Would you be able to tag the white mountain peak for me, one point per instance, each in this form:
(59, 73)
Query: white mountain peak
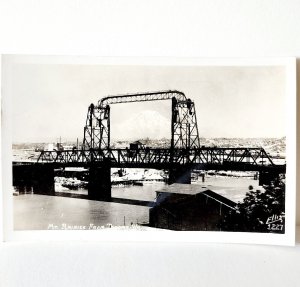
(143, 124)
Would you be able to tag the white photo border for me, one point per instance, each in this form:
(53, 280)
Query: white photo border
(111, 235)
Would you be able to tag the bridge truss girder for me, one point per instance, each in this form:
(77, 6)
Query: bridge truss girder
(206, 158)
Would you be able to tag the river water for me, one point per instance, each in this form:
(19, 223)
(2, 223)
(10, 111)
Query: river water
(40, 212)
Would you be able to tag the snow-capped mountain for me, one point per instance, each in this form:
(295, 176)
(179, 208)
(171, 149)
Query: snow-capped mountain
(144, 124)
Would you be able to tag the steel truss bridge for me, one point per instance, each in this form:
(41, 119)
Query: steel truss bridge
(185, 149)
(248, 159)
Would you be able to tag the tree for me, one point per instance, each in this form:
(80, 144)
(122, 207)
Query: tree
(259, 211)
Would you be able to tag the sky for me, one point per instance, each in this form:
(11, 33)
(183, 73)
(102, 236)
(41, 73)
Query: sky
(50, 99)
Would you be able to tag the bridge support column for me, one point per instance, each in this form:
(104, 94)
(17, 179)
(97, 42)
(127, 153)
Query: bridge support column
(43, 180)
(99, 186)
(267, 177)
(180, 174)
(38, 178)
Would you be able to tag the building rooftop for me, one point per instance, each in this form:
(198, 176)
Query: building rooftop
(185, 190)
(234, 191)
(138, 142)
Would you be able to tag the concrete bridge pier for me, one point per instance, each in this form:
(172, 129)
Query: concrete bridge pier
(38, 178)
(180, 174)
(43, 180)
(267, 177)
(99, 186)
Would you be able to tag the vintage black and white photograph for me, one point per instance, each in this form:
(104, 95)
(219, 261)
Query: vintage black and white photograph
(172, 146)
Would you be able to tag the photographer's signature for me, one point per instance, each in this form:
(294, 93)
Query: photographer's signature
(275, 222)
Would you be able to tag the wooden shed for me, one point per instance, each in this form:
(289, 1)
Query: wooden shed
(186, 207)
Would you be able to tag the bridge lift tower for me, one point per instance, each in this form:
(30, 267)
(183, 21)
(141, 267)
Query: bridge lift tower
(184, 134)
(184, 129)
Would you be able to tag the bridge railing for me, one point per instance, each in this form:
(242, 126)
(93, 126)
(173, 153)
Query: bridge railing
(220, 156)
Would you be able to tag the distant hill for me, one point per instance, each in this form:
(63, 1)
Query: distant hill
(271, 145)
(159, 140)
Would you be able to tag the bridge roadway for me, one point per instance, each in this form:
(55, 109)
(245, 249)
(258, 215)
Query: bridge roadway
(205, 158)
